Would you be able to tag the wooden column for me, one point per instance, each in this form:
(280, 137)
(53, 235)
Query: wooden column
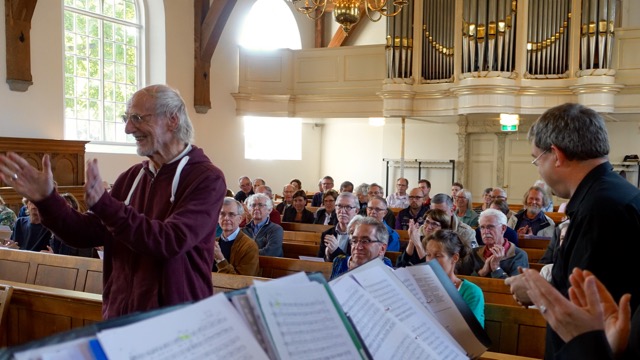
(18, 14)
(208, 25)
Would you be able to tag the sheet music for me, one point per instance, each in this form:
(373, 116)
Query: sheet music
(380, 281)
(303, 322)
(383, 334)
(208, 329)
(442, 305)
(77, 349)
(311, 258)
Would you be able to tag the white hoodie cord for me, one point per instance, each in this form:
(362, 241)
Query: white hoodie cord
(176, 177)
(133, 187)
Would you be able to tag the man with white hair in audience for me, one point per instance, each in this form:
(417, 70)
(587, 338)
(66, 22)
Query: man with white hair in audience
(246, 189)
(287, 195)
(267, 235)
(368, 240)
(335, 241)
(274, 215)
(234, 251)
(497, 258)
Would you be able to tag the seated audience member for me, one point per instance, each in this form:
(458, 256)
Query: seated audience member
(326, 215)
(377, 209)
(509, 234)
(274, 215)
(29, 233)
(56, 245)
(326, 183)
(266, 234)
(298, 212)
(497, 258)
(445, 246)
(258, 182)
(7, 216)
(464, 212)
(297, 184)
(363, 198)
(455, 187)
(415, 253)
(246, 189)
(425, 185)
(415, 211)
(499, 193)
(335, 241)
(531, 220)
(23, 210)
(368, 240)
(486, 201)
(548, 193)
(373, 191)
(445, 203)
(399, 199)
(229, 193)
(591, 324)
(234, 251)
(346, 186)
(287, 201)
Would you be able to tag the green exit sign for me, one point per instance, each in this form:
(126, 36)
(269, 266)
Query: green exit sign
(509, 127)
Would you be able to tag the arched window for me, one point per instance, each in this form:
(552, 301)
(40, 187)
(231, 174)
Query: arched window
(102, 66)
(270, 25)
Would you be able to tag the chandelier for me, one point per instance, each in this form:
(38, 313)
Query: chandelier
(348, 12)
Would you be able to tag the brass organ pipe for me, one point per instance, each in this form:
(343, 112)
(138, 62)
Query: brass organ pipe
(465, 36)
(482, 33)
(610, 31)
(473, 16)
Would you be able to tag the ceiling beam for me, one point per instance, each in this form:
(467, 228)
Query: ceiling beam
(209, 21)
(18, 14)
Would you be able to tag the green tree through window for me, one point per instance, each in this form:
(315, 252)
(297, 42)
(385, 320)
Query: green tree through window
(102, 67)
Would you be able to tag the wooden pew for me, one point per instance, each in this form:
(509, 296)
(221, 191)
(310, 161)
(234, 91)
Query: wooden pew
(293, 250)
(302, 237)
(316, 228)
(533, 242)
(38, 311)
(229, 282)
(556, 216)
(495, 290)
(515, 330)
(59, 271)
(275, 267)
(534, 254)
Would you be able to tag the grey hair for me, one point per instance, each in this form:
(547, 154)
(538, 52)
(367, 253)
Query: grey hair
(499, 215)
(351, 197)
(242, 178)
(374, 184)
(575, 129)
(169, 102)
(382, 234)
(545, 196)
(251, 199)
(467, 194)
(442, 198)
(231, 201)
(362, 189)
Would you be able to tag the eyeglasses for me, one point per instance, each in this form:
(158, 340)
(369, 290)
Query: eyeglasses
(136, 118)
(258, 205)
(354, 241)
(497, 197)
(374, 209)
(415, 197)
(489, 227)
(226, 214)
(345, 207)
(432, 223)
(535, 161)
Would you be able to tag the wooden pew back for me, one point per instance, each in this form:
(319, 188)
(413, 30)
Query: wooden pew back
(495, 291)
(59, 271)
(302, 237)
(275, 267)
(39, 311)
(316, 228)
(515, 330)
(230, 282)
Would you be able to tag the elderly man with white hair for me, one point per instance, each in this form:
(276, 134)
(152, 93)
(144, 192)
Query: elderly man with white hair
(266, 234)
(497, 258)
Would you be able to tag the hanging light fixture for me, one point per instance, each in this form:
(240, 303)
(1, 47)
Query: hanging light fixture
(347, 12)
